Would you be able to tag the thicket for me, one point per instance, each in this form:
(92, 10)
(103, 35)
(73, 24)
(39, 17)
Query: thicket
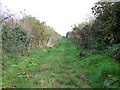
(20, 35)
(101, 33)
(107, 34)
(14, 41)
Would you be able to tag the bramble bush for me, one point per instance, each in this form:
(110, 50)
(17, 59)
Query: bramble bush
(14, 40)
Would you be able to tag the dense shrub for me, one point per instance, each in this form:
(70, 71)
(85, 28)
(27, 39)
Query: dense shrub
(106, 27)
(14, 40)
(101, 34)
(81, 37)
(114, 51)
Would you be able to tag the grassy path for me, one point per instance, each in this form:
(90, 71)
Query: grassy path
(60, 67)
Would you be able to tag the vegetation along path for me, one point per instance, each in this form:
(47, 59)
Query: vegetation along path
(62, 66)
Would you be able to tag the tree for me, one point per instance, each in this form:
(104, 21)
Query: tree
(107, 14)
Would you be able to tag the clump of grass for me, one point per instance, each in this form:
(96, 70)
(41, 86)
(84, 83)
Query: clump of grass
(98, 68)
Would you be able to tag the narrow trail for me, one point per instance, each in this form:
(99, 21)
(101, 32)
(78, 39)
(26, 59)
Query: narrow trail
(59, 67)
(54, 68)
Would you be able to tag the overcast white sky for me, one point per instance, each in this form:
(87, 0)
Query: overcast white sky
(60, 14)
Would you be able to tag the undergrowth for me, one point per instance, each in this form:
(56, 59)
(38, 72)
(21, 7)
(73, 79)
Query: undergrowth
(61, 67)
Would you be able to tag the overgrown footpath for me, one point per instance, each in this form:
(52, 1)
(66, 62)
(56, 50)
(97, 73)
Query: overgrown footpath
(63, 66)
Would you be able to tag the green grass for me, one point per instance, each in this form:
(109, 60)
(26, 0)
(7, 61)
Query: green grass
(61, 67)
